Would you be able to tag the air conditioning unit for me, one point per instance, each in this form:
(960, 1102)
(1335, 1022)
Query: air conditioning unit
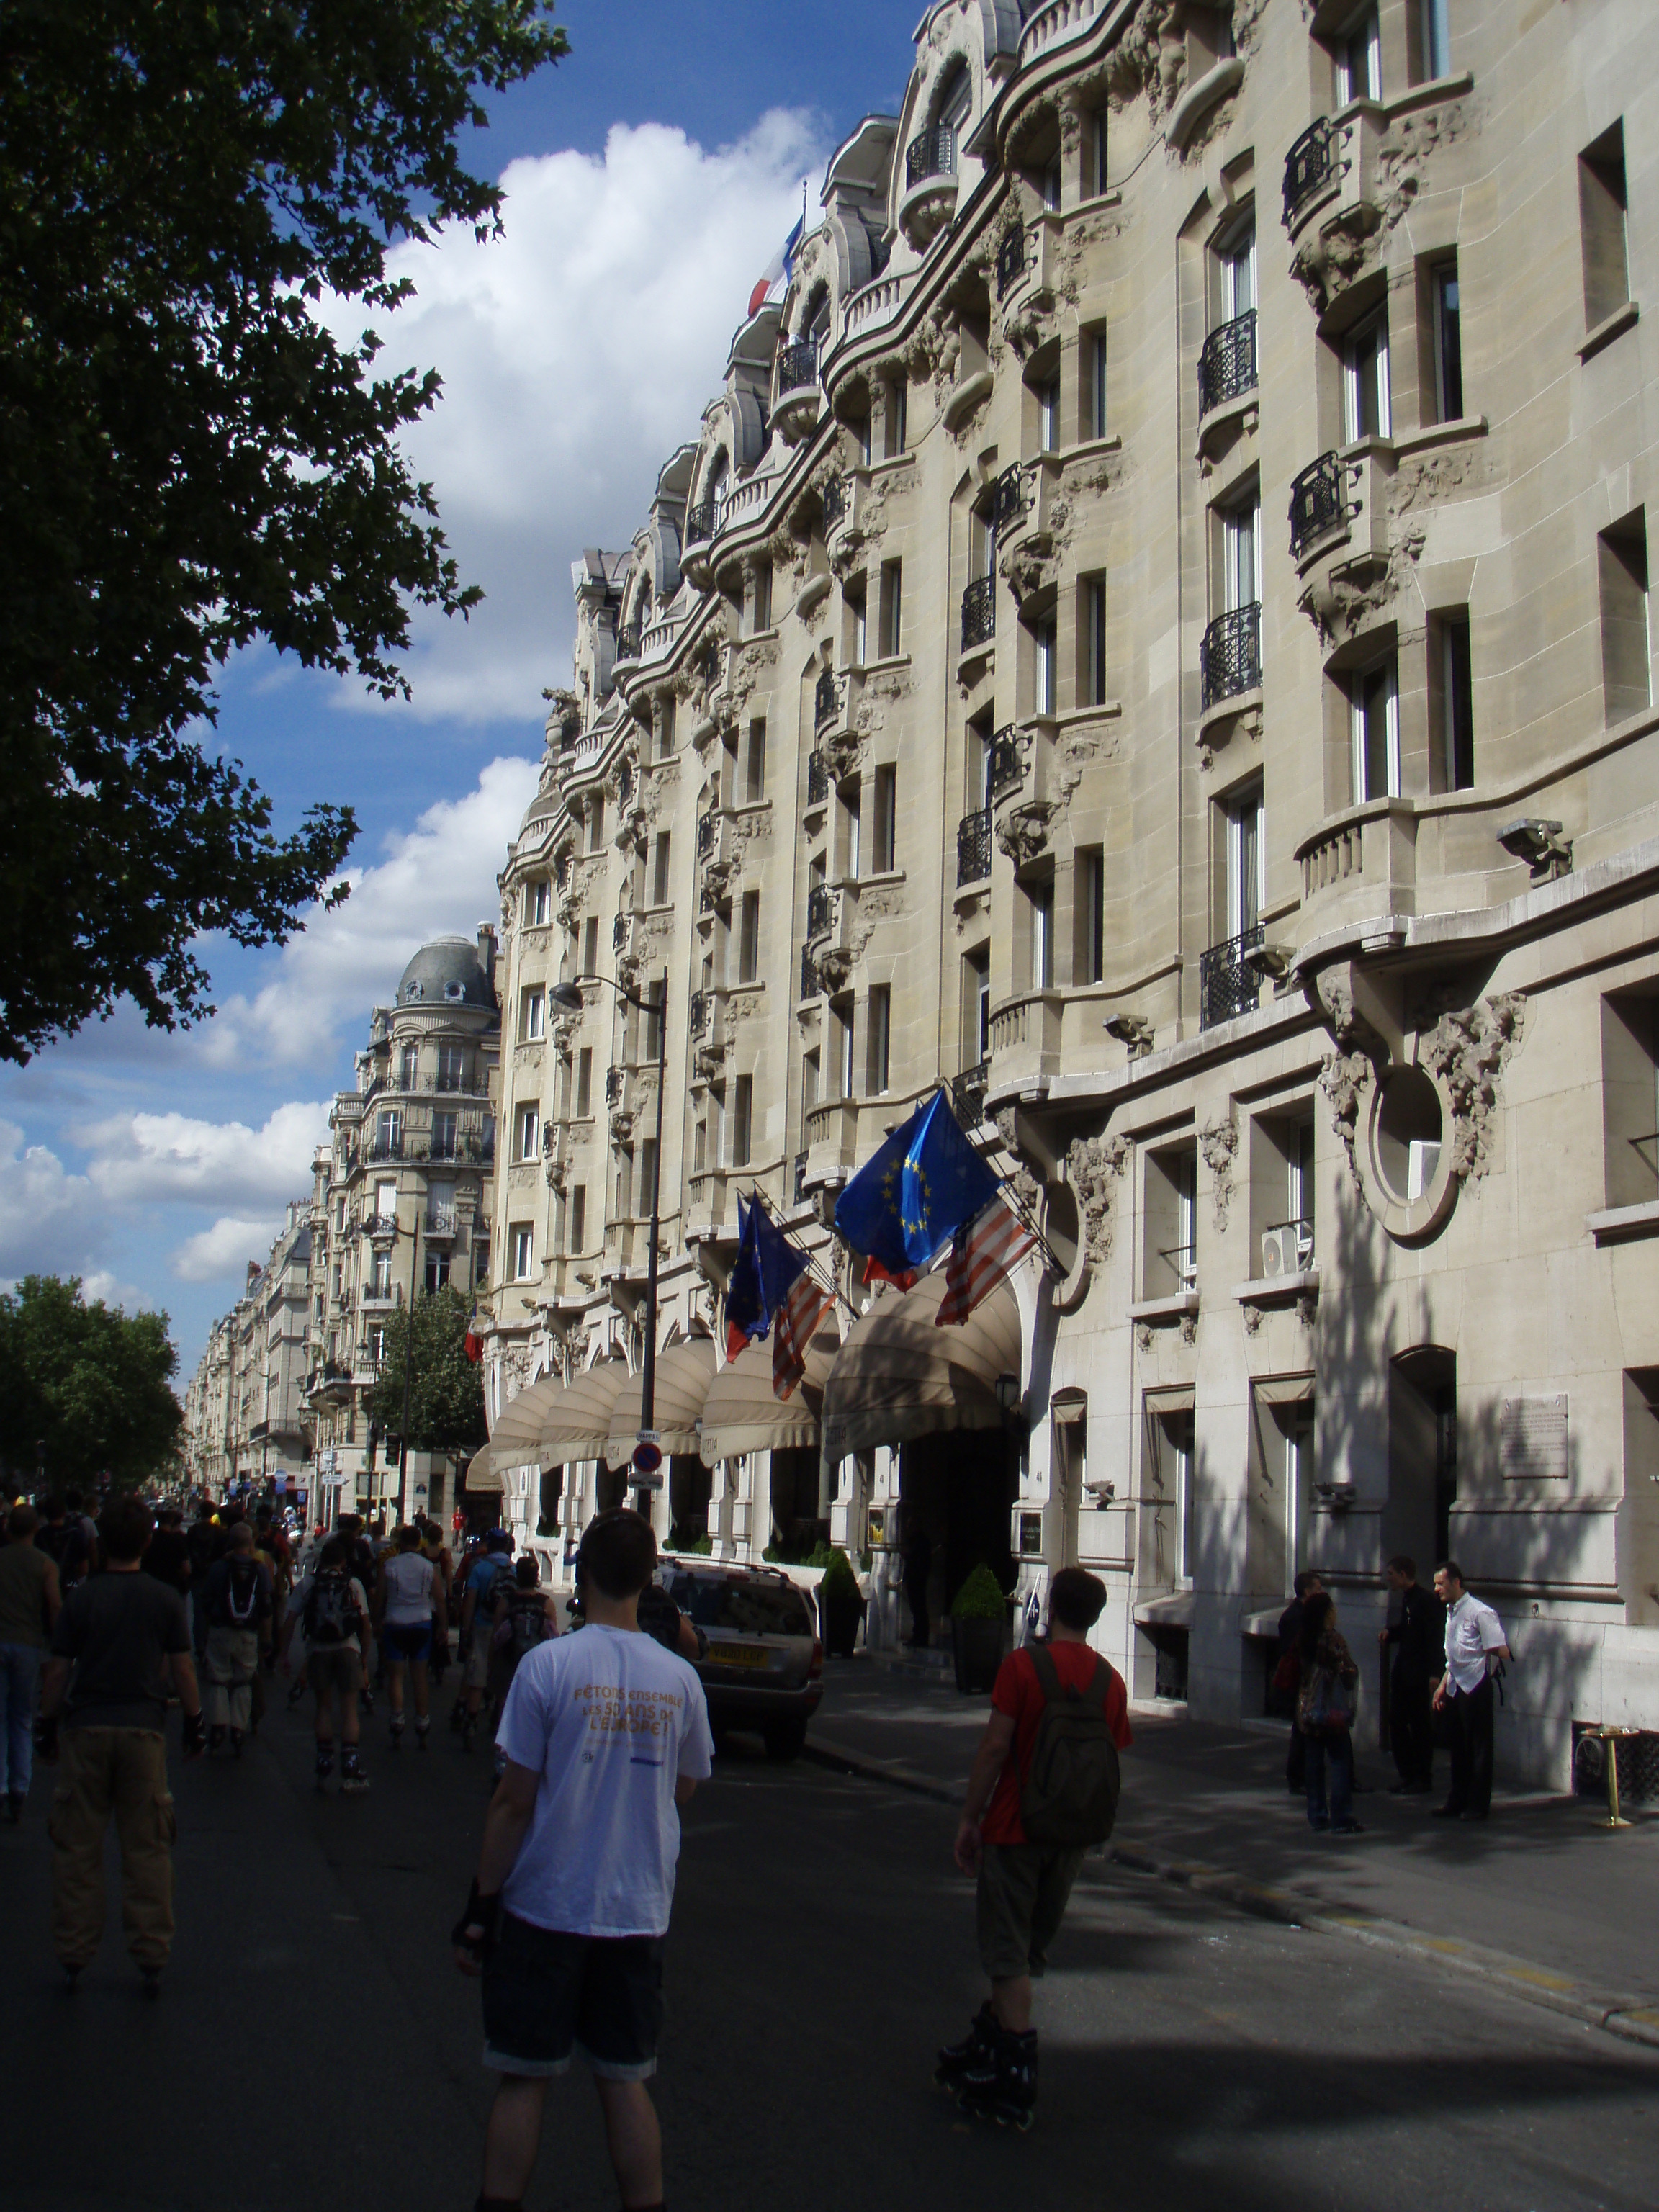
(1278, 1252)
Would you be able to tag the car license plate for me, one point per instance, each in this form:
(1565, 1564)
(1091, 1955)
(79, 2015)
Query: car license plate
(736, 1655)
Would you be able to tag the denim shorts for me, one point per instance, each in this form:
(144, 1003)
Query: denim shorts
(547, 1995)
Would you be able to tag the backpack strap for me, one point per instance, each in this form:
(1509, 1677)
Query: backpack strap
(1048, 1674)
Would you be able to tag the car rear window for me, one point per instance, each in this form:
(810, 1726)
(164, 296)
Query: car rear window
(756, 1608)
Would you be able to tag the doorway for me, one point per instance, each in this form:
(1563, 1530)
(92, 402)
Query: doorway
(1422, 1454)
(962, 1486)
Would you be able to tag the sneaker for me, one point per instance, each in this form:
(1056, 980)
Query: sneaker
(353, 1784)
(324, 1764)
(1348, 1828)
(150, 1981)
(976, 2048)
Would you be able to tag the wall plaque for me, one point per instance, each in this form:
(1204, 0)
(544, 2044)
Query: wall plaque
(1533, 1439)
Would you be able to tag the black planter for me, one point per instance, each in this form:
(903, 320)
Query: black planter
(842, 1615)
(976, 1646)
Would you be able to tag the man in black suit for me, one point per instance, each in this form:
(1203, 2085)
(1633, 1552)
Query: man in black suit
(1418, 1633)
(1306, 1585)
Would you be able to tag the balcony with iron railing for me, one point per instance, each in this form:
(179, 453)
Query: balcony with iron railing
(1310, 165)
(379, 1298)
(973, 847)
(698, 1012)
(613, 1086)
(440, 1227)
(1318, 503)
(456, 1081)
(811, 987)
(1227, 365)
(817, 780)
(1006, 770)
(800, 394)
(1010, 498)
(930, 185)
(799, 1181)
(798, 365)
(1229, 656)
(826, 700)
(1011, 260)
(620, 926)
(1229, 980)
(834, 503)
(709, 831)
(978, 612)
(967, 1093)
(379, 1149)
(820, 910)
(701, 520)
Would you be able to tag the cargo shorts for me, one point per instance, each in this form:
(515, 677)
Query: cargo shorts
(1023, 1893)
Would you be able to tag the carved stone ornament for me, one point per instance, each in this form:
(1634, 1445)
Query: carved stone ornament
(1189, 1328)
(1219, 1142)
(841, 752)
(1093, 1167)
(1144, 1335)
(1342, 601)
(1023, 831)
(621, 1126)
(1467, 1050)
(1252, 1318)
(1344, 1077)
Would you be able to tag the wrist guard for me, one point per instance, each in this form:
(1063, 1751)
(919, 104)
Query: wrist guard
(195, 1726)
(475, 1931)
(46, 1735)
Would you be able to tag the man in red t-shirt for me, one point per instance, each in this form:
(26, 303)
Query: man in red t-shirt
(1023, 1886)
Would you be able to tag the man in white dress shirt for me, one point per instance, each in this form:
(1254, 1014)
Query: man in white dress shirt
(1474, 1646)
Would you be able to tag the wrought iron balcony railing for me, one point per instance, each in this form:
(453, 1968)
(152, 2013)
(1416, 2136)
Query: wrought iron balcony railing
(811, 988)
(1317, 502)
(452, 1079)
(1226, 366)
(701, 520)
(930, 153)
(1011, 497)
(613, 1086)
(973, 847)
(628, 642)
(1229, 981)
(1229, 658)
(979, 611)
(697, 1018)
(384, 1148)
(441, 1224)
(709, 829)
(820, 910)
(798, 365)
(625, 780)
(835, 503)
(707, 902)
(967, 1094)
(1311, 162)
(1007, 769)
(817, 780)
(800, 1178)
(826, 698)
(619, 931)
(1010, 259)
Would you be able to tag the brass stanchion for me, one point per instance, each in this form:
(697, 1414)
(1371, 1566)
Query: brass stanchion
(1609, 1739)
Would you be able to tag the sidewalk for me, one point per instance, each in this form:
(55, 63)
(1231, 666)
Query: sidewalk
(1538, 1896)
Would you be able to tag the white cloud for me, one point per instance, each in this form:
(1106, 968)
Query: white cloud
(45, 1210)
(437, 879)
(140, 1159)
(102, 1284)
(225, 1249)
(577, 352)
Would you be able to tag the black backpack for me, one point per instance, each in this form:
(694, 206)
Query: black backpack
(1071, 1792)
(527, 1621)
(332, 1615)
(242, 1599)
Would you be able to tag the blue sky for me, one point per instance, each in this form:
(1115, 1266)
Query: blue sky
(649, 178)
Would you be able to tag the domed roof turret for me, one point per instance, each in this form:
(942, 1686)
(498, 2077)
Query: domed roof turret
(445, 972)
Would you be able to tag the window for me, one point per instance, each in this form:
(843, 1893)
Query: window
(1436, 32)
(452, 1068)
(1235, 271)
(1244, 862)
(851, 826)
(892, 627)
(841, 1014)
(1451, 701)
(437, 1269)
(1093, 353)
(596, 821)
(1171, 1203)
(533, 1016)
(1302, 1190)
(374, 1338)
(386, 1201)
(529, 1129)
(1630, 1098)
(743, 1117)
(1179, 1436)
(578, 1217)
(885, 826)
(379, 1274)
(660, 868)
(749, 938)
(1622, 576)
(878, 1043)
(665, 707)
(808, 1082)
(1365, 397)
(481, 1259)
(390, 1134)
(537, 902)
(1047, 400)
(1374, 712)
(1093, 626)
(1098, 169)
(755, 762)
(700, 1148)
(1051, 185)
(858, 608)
(444, 1128)
(1044, 686)
(978, 763)
(1602, 207)
(898, 413)
(625, 1186)
(1089, 896)
(1359, 59)
(1040, 898)
(524, 1251)
(408, 1064)
(584, 1083)
(976, 1009)
(1448, 341)
(1241, 557)
(591, 946)
(648, 1174)
(762, 600)
(653, 1040)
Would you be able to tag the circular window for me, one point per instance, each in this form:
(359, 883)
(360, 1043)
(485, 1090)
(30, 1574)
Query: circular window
(1409, 1130)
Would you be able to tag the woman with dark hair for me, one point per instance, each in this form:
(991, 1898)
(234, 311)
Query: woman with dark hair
(1324, 1712)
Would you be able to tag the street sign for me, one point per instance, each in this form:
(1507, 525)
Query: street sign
(647, 1459)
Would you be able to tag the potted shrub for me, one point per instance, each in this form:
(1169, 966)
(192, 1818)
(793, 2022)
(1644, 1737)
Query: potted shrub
(841, 1604)
(979, 1623)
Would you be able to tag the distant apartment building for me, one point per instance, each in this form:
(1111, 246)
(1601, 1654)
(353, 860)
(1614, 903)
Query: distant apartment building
(1153, 633)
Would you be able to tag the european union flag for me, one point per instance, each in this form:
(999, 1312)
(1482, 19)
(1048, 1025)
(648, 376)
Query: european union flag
(762, 1276)
(906, 1204)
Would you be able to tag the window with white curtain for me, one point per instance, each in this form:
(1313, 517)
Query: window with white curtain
(1245, 863)
(1374, 700)
(1360, 58)
(1365, 401)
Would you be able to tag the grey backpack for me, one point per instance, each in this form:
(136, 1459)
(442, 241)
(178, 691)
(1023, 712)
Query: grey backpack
(1070, 1797)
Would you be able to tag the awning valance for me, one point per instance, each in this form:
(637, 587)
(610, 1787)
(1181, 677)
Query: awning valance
(683, 1374)
(900, 1375)
(1283, 1389)
(481, 1473)
(520, 1422)
(578, 1422)
(742, 1413)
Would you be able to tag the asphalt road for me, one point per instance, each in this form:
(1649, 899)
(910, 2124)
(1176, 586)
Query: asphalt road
(315, 2048)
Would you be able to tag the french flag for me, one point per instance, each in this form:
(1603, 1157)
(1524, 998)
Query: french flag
(775, 282)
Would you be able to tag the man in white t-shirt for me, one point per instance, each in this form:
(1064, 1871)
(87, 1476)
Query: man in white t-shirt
(1474, 1646)
(605, 1736)
(409, 1608)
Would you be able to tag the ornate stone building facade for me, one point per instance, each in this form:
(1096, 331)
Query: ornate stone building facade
(1153, 632)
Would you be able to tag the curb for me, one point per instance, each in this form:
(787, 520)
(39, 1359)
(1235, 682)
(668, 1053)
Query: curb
(1631, 2018)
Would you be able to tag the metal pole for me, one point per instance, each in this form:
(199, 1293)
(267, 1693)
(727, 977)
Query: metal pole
(409, 1364)
(648, 1369)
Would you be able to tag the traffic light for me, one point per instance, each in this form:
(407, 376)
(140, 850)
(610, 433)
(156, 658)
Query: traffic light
(373, 1442)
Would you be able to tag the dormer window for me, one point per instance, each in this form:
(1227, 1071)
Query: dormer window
(956, 102)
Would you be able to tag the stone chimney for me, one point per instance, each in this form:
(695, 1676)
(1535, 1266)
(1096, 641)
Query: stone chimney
(487, 952)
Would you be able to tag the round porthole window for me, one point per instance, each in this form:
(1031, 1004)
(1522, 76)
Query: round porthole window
(1409, 1135)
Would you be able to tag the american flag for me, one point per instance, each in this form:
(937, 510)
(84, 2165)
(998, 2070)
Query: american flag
(981, 1253)
(792, 1332)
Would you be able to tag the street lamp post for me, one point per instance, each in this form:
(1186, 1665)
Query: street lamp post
(390, 1227)
(570, 998)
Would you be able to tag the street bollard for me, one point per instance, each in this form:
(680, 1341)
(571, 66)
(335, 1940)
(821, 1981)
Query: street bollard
(1609, 1738)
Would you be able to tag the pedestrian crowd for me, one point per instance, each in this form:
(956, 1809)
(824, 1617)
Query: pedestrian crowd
(600, 1739)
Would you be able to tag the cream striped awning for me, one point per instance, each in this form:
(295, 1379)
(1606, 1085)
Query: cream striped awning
(900, 1375)
(743, 1414)
(683, 1374)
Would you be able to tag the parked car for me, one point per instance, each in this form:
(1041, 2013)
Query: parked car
(763, 1667)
